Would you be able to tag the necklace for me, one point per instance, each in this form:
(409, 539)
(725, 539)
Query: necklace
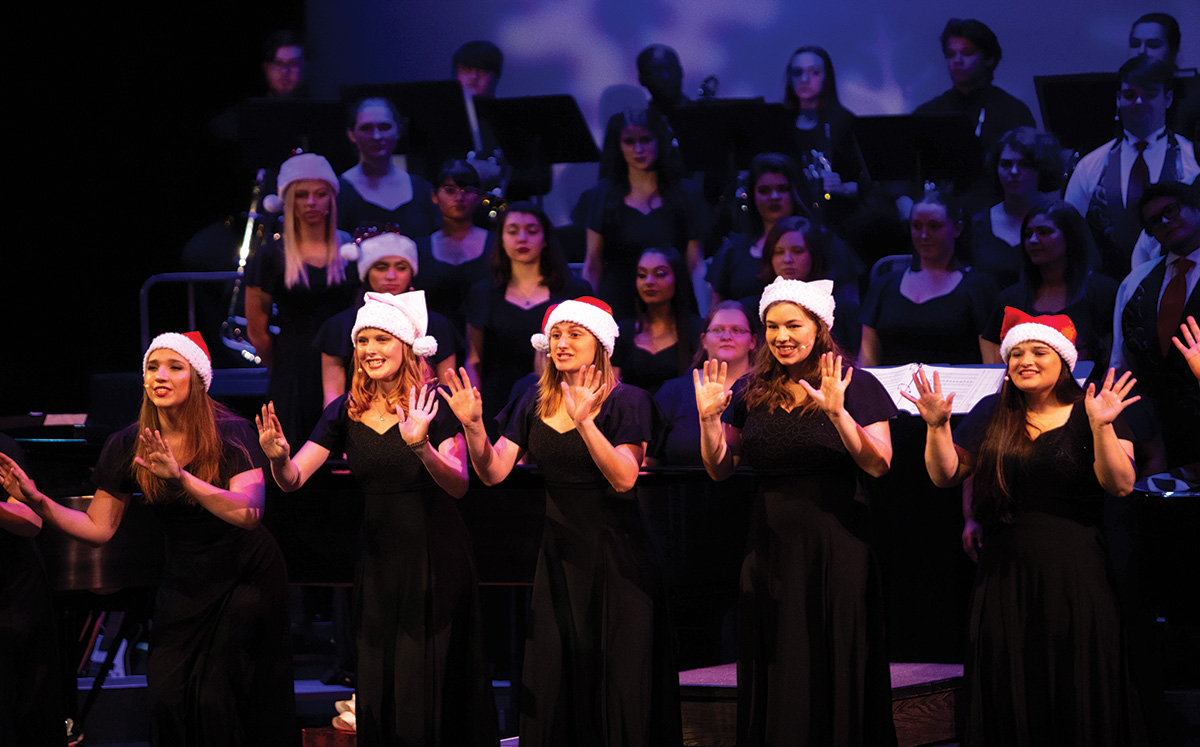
(523, 299)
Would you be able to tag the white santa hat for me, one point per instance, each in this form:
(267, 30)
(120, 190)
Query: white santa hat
(188, 344)
(403, 316)
(368, 250)
(585, 311)
(300, 166)
(815, 297)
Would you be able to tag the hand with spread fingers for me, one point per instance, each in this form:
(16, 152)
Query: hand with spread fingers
(712, 392)
(832, 395)
(422, 407)
(463, 397)
(159, 459)
(1105, 405)
(934, 408)
(1190, 344)
(579, 398)
(270, 434)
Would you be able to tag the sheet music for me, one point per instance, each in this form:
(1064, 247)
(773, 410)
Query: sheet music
(969, 384)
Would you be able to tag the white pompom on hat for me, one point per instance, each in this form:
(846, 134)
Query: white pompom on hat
(300, 166)
(585, 311)
(370, 250)
(404, 316)
(1057, 331)
(814, 296)
(188, 344)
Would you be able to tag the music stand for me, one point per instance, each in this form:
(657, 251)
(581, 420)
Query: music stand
(930, 147)
(724, 135)
(269, 129)
(438, 128)
(536, 131)
(1079, 108)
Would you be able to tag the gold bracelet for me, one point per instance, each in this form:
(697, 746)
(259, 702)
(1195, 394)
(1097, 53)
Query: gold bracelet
(415, 444)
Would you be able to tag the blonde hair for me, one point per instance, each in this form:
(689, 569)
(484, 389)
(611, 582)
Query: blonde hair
(414, 371)
(294, 271)
(550, 396)
(198, 420)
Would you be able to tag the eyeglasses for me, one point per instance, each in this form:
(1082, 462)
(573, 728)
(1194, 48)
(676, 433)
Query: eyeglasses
(731, 331)
(1169, 213)
(279, 64)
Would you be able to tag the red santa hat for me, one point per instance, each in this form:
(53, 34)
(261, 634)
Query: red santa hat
(188, 344)
(1057, 331)
(585, 311)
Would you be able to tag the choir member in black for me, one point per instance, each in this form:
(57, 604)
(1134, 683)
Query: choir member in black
(935, 310)
(31, 705)
(730, 336)
(972, 53)
(797, 249)
(455, 256)
(1027, 166)
(640, 204)
(1057, 277)
(812, 668)
(1152, 303)
(422, 678)
(824, 128)
(387, 263)
(599, 663)
(1047, 659)
(477, 66)
(1108, 182)
(283, 64)
(528, 274)
(658, 344)
(736, 270)
(376, 190)
(661, 73)
(304, 277)
(220, 667)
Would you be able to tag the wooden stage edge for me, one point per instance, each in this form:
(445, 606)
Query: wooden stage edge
(923, 704)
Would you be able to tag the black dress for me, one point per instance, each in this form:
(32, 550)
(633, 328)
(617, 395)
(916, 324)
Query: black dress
(31, 696)
(417, 217)
(647, 370)
(678, 445)
(992, 254)
(1047, 659)
(295, 384)
(422, 677)
(812, 665)
(944, 329)
(599, 657)
(507, 354)
(446, 286)
(630, 231)
(220, 666)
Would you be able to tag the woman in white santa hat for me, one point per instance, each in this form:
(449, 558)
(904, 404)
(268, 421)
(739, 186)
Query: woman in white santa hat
(598, 656)
(422, 677)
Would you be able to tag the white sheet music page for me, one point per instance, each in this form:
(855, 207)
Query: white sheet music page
(968, 384)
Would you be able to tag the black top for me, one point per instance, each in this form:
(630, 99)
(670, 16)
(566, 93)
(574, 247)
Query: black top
(1002, 110)
(992, 254)
(333, 338)
(647, 370)
(417, 217)
(446, 285)
(1092, 314)
(734, 273)
(679, 444)
(945, 329)
(302, 309)
(1059, 476)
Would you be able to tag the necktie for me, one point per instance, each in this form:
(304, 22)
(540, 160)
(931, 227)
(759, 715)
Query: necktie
(1139, 179)
(1170, 309)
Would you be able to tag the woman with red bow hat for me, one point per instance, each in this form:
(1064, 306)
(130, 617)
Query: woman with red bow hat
(1046, 660)
(422, 678)
(598, 656)
(220, 667)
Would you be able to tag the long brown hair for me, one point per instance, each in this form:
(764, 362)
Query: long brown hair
(414, 371)
(1006, 443)
(769, 380)
(198, 421)
(550, 396)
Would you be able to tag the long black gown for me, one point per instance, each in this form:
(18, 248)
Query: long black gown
(220, 666)
(812, 665)
(599, 656)
(422, 675)
(1047, 660)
